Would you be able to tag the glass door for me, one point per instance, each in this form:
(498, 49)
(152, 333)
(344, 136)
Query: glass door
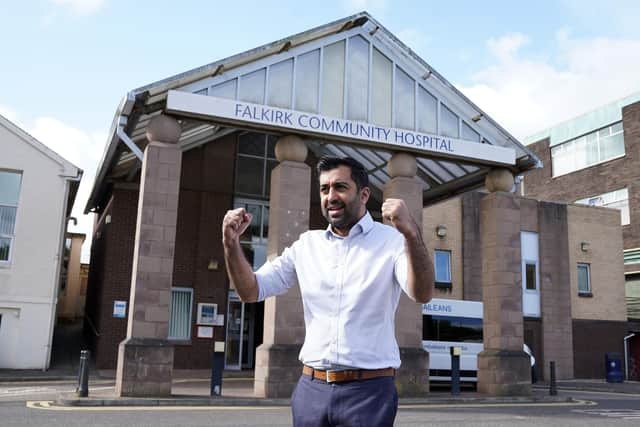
(234, 332)
(240, 326)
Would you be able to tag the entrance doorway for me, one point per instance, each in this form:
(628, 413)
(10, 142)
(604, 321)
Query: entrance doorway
(240, 333)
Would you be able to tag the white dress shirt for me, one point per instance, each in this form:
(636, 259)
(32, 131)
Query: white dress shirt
(350, 291)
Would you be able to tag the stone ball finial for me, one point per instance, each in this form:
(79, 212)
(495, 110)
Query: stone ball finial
(499, 179)
(163, 128)
(402, 164)
(291, 147)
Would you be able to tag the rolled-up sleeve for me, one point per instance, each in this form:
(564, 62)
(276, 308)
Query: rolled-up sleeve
(277, 276)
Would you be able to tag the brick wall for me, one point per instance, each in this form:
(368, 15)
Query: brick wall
(110, 277)
(599, 228)
(449, 214)
(592, 339)
(555, 288)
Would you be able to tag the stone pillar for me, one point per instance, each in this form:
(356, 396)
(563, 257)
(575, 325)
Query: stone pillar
(412, 378)
(277, 366)
(145, 357)
(503, 367)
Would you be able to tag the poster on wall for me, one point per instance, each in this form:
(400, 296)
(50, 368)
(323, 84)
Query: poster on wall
(205, 332)
(119, 309)
(207, 314)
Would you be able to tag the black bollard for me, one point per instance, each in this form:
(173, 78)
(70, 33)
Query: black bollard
(217, 366)
(553, 390)
(83, 374)
(455, 370)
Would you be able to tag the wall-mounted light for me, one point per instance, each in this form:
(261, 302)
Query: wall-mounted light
(585, 246)
(441, 231)
(213, 265)
(477, 117)
(107, 219)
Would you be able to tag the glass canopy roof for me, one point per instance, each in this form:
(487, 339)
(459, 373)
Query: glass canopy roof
(350, 69)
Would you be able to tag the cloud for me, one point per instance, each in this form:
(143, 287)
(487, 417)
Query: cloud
(84, 149)
(529, 94)
(80, 7)
(9, 114)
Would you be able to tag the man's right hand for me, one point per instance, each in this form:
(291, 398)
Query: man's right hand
(235, 223)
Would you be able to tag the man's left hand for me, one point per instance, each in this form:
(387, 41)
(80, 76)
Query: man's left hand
(396, 212)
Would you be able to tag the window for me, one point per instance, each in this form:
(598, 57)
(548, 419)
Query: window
(618, 199)
(530, 277)
(254, 239)
(584, 279)
(596, 147)
(455, 329)
(180, 313)
(443, 268)
(255, 160)
(9, 194)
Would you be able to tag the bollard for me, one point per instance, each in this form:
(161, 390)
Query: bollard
(552, 379)
(455, 370)
(83, 374)
(216, 368)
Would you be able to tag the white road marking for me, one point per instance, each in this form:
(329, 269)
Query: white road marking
(50, 405)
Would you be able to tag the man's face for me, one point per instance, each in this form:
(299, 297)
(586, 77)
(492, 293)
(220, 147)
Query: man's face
(342, 203)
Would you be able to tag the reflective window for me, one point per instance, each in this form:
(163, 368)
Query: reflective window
(225, 90)
(405, 100)
(448, 328)
(595, 147)
(442, 266)
(427, 111)
(254, 239)
(469, 133)
(307, 78)
(358, 79)
(280, 84)
(381, 81)
(252, 86)
(180, 313)
(448, 122)
(584, 279)
(618, 199)
(254, 162)
(333, 80)
(9, 195)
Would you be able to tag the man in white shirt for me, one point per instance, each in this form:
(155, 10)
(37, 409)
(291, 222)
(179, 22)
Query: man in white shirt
(350, 277)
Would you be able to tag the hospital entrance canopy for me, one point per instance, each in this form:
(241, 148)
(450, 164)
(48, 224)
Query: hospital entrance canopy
(349, 88)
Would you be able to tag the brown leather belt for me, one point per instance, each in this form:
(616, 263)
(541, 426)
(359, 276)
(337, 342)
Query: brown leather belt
(347, 375)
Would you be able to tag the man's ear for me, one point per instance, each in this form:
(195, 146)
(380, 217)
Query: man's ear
(365, 192)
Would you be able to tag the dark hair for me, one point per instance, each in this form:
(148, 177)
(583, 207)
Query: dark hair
(358, 172)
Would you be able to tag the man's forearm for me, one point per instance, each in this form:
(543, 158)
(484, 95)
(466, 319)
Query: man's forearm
(240, 273)
(419, 268)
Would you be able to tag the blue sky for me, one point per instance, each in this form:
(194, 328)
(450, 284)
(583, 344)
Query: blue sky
(66, 64)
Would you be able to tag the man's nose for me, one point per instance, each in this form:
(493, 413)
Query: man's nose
(332, 195)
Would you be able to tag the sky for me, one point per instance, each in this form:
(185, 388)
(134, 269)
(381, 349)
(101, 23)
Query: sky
(66, 64)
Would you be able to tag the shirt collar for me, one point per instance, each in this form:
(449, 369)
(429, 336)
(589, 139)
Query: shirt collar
(361, 227)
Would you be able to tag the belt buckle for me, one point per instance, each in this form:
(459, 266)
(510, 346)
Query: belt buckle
(330, 376)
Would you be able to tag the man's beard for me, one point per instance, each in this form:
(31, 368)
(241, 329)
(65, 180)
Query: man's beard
(348, 218)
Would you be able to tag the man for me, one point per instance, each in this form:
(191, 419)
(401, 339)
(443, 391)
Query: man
(350, 277)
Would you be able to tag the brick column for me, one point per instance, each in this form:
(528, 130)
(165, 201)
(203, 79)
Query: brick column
(503, 366)
(277, 366)
(145, 357)
(412, 378)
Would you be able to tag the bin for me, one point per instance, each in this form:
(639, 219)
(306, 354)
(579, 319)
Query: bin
(613, 367)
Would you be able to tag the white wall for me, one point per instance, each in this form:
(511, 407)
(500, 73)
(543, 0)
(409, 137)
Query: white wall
(28, 284)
